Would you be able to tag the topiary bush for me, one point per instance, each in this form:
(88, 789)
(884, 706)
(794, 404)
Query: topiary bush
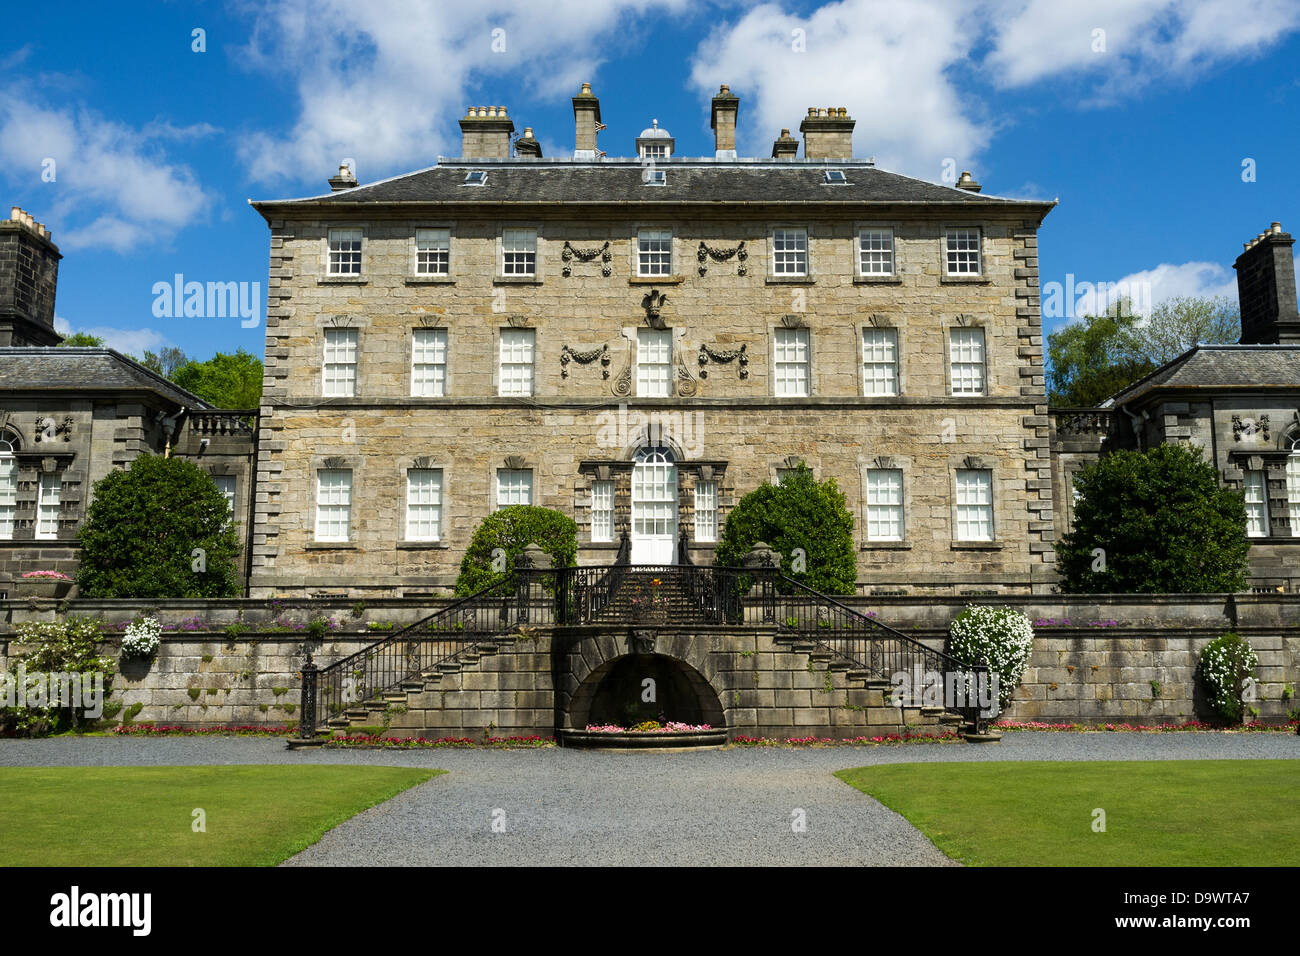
(1227, 663)
(143, 527)
(1154, 522)
(797, 513)
(512, 529)
(1002, 637)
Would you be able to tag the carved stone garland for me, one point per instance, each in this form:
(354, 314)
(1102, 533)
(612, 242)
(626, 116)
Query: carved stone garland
(721, 254)
(723, 355)
(569, 253)
(584, 358)
(1249, 427)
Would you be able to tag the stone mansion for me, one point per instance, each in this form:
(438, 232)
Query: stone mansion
(639, 342)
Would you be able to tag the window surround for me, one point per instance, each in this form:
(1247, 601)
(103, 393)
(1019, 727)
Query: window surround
(808, 277)
(775, 334)
(643, 333)
(498, 338)
(539, 248)
(322, 462)
(878, 324)
(600, 486)
(350, 535)
(978, 277)
(355, 363)
(963, 325)
(327, 277)
(884, 462)
(404, 465)
(673, 257)
(975, 463)
(415, 277)
(447, 364)
(892, 275)
(441, 488)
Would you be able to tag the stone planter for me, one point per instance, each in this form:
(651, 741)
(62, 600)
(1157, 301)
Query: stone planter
(48, 588)
(642, 740)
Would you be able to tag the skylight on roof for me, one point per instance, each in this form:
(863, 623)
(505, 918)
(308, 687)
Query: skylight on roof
(655, 177)
(475, 177)
(835, 177)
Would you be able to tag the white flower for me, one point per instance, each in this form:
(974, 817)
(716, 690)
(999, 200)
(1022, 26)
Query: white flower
(142, 638)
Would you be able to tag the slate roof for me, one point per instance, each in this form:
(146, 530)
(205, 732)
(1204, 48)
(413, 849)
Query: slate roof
(1222, 366)
(688, 181)
(66, 369)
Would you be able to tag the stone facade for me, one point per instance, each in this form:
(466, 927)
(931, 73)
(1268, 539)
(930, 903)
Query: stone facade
(584, 420)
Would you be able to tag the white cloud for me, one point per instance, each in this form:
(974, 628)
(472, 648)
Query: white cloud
(128, 341)
(1168, 281)
(384, 82)
(111, 189)
(1144, 40)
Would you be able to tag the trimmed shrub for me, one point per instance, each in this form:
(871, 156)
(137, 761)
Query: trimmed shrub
(512, 529)
(1152, 522)
(1002, 637)
(1227, 663)
(142, 529)
(797, 513)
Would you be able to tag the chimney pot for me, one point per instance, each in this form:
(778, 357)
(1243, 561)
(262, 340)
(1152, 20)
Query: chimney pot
(586, 89)
(1275, 228)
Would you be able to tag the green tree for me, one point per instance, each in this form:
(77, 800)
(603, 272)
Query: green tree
(1090, 360)
(142, 529)
(1154, 521)
(512, 529)
(227, 381)
(1178, 324)
(797, 513)
(165, 362)
(82, 340)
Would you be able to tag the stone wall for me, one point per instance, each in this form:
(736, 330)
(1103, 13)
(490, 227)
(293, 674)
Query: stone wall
(1088, 670)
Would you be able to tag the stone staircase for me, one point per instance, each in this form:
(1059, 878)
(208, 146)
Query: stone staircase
(651, 598)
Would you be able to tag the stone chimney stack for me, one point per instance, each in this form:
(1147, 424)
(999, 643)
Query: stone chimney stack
(785, 146)
(967, 182)
(29, 277)
(827, 133)
(726, 105)
(527, 146)
(586, 120)
(1266, 290)
(344, 180)
(485, 133)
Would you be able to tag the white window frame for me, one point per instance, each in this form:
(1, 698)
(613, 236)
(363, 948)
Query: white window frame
(883, 256)
(960, 341)
(654, 363)
(519, 252)
(706, 510)
(510, 482)
(879, 345)
(973, 485)
(1255, 492)
(227, 485)
(783, 340)
(513, 345)
(48, 506)
(340, 256)
(424, 499)
(8, 490)
(654, 253)
(339, 353)
(435, 260)
(654, 150)
(602, 511)
(1293, 488)
(885, 518)
(959, 259)
(429, 377)
(333, 504)
(790, 257)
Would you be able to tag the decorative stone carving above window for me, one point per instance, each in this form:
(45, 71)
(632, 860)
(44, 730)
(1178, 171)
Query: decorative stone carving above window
(516, 462)
(966, 320)
(721, 254)
(653, 301)
(883, 461)
(974, 462)
(517, 321)
(569, 253)
(708, 352)
(1251, 428)
(49, 465)
(792, 462)
(880, 321)
(603, 472)
(431, 321)
(1255, 463)
(339, 322)
(335, 462)
(793, 320)
(424, 461)
(568, 355)
(706, 472)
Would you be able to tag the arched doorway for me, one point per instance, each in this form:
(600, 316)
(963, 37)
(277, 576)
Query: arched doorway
(654, 506)
(637, 687)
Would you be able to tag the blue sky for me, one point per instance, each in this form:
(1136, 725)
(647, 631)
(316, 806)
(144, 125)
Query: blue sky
(1141, 130)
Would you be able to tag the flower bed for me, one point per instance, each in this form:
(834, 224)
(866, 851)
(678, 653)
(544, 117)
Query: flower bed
(245, 730)
(1187, 726)
(649, 727)
(413, 743)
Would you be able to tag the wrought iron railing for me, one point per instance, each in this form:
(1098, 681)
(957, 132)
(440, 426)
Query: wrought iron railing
(880, 650)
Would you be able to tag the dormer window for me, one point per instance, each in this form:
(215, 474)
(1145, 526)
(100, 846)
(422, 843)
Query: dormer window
(475, 177)
(655, 177)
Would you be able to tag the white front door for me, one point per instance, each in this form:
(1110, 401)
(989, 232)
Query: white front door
(654, 507)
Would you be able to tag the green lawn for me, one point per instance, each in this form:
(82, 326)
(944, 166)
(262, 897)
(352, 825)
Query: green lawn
(1040, 813)
(143, 816)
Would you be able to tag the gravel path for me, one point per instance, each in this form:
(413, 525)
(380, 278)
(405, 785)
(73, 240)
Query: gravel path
(567, 807)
